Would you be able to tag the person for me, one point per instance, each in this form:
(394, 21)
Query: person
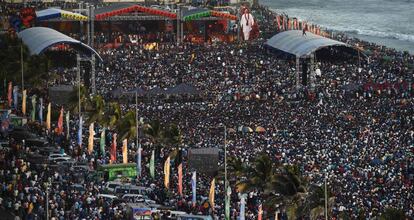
(246, 23)
(304, 30)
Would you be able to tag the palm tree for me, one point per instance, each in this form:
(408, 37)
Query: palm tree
(173, 138)
(155, 132)
(74, 99)
(112, 115)
(393, 213)
(97, 114)
(258, 175)
(127, 126)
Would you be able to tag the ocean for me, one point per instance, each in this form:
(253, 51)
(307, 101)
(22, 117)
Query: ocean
(386, 22)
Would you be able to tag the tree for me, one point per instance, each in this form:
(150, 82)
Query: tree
(155, 132)
(74, 99)
(112, 115)
(126, 127)
(393, 213)
(97, 114)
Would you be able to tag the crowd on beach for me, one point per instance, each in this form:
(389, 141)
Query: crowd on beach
(355, 127)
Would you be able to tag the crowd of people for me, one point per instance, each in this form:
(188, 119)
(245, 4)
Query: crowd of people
(360, 139)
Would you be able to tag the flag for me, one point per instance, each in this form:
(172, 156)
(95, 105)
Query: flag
(15, 98)
(152, 164)
(67, 125)
(260, 213)
(113, 149)
(139, 155)
(125, 151)
(102, 143)
(30, 208)
(278, 22)
(9, 94)
(41, 110)
(180, 179)
(33, 113)
(60, 122)
(194, 187)
(211, 194)
(242, 206)
(49, 112)
(227, 203)
(80, 131)
(167, 173)
(90, 139)
(24, 102)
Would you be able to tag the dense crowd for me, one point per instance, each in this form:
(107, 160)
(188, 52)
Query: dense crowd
(360, 138)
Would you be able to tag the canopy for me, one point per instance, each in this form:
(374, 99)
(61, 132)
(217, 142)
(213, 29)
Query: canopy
(38, 39)
(295, 43)
(183, 89)
(197, 13)
(51, 13)
(124, 8)
(138, 91)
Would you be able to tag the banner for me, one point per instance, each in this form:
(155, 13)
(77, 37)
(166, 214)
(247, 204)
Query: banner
(102, 142)
(167, 173)
(15, 97)
(9, 94)
(60, 122)
(242, 206)
(152, 165)
(260, 213)
(212, 192)
(49, 112)
(90, 139)
(125, 151)
(24, 102)
(227, 203)
(113, 149)
(67, 118)
(41, 111)
(194, 187)
(180, 179)
(80, 131)
(33, 113)
(139, 155)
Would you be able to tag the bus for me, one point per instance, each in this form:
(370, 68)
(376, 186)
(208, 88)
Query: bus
(109, 172)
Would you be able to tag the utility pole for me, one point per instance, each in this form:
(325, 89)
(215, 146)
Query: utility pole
(22, 64)
(137, 126)
(78, 60)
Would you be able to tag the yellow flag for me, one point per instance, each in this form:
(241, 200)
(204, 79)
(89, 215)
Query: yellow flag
(24, 102)
(124, 151)
(30, 208)
(167, 173)
(90, 139)
(211, 194)
(49, 112)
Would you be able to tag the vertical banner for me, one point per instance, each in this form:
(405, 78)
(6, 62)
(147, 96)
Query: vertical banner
(194, 187)
(15, 97)
(33, 112)
(243, 206)
(260, 213)
(139, 155)
(152, 165)
(227, 203)
(9, 94)
(24, 102)
(212, 192)
(167, 173)
(67, 118)
(113, 149)
(48, 116)
(180, 179)
(102, 142)
(80, 131)
(125, 151)
(41, 110)
(60, 122)
(90, 139)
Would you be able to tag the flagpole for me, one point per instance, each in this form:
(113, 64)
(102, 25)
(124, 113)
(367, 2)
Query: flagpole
(326, 197)
(21, 62)
(137, 132)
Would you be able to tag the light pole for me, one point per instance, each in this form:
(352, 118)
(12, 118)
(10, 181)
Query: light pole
(21, 63)
(326, 196)
(137, 133)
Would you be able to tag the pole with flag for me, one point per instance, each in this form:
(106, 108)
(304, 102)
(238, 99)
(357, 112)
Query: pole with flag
(180, 179)
(24, 102)
(48, 116)
(90, 139)
(9, 94)
(167, 173)
(152, 165)
(139, 155)
(67, 118)
(113, 149)
(125, 151)
(102, 142)
(33, 113)
(194, 187)
(15, 97)
(242, 206)
(260, 212)
(211, 195)
(80, 131)
(60, 122)
(41, 110)
(227, 203)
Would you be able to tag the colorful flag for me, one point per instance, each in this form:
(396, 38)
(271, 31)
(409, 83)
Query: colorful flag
(60, 122)
(125, 151)
(167, 173)
(49, 113)
(15, 97)
(242, 206)
(152, 164)
(30, 208)
(180, 179)
(80, 131)
(260, 213)
(67, 118)
(24, 102)
(102, 142)
(212, 192)
(90, 139)
(41, 110)
(33, 113)
(9, 94)
(113, 149)
(194, 187)
(227, 203)
(139, 155)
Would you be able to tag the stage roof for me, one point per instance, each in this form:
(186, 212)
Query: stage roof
(38, 39)
(295, 43)
(51, 13)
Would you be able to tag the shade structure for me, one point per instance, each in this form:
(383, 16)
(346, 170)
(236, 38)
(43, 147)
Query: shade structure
(137, 91)
(39, 39)
(51, 13)
(125, 8)
(183, 89)
(295, 43)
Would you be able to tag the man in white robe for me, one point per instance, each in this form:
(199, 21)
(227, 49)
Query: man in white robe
(246, 23)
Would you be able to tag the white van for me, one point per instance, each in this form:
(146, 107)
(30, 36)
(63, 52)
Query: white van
(136, 198)
(111, 185)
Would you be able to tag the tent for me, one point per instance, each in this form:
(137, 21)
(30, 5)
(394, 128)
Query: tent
(51, 13)
(138, 91)
(183, 89)
(156, 91)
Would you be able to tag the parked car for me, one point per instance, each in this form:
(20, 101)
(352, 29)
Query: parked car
(131, 189)
(136, 198)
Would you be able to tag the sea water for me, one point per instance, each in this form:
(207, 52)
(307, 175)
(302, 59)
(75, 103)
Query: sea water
(385, 22)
